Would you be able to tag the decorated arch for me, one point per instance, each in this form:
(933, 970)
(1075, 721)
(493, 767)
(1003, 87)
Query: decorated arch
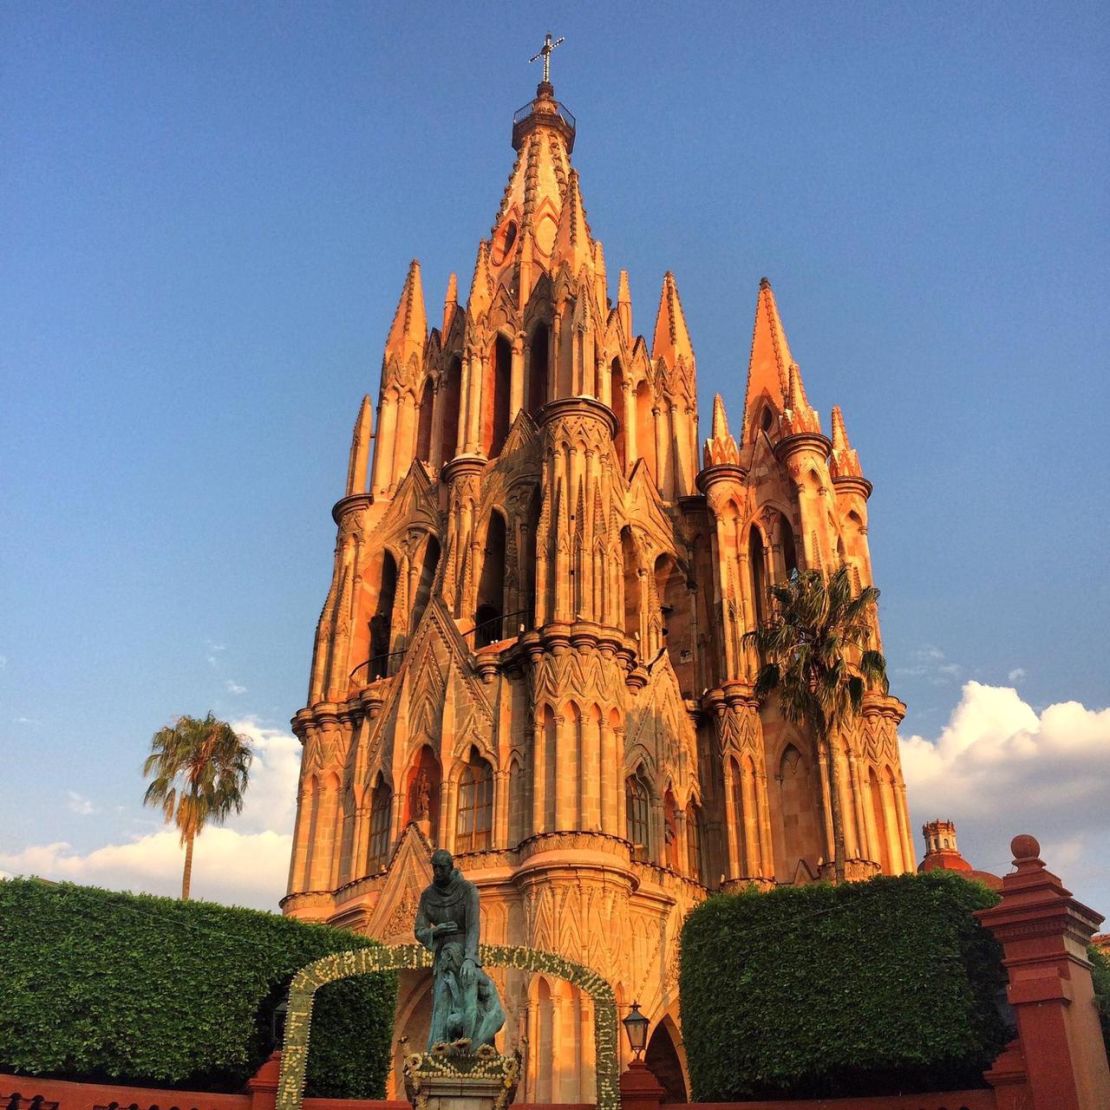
(403, 957)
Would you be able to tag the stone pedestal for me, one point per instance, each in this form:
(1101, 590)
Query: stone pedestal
(640, 1090)
(455, 1078)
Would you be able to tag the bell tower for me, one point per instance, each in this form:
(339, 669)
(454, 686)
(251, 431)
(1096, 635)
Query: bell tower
(531, 652)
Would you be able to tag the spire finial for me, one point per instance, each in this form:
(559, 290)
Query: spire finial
(545, 53)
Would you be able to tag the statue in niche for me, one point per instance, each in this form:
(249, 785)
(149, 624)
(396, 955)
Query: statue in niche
(422, 796)
(466, 1011)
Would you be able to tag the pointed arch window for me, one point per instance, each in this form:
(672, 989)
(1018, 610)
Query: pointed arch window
(758, 565)
(637, 800)
(789, 551)
(474, 825)
(491, 586)
(538, 359)
(495, 399)
(632, 599)
(424, 424)
(670, 832)
(428, 565)
(380, 811)
(381, 623)
(616, 403)
(693, 842)
(645, 428)
(452, 398)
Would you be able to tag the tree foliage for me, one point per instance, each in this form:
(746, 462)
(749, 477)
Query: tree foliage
(1100, 973)
(199, 772)
(818, 660)
(855, 989)
(126, 988)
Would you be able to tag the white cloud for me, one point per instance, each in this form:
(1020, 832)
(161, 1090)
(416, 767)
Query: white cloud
(1016, 675)
(1000, 768)
(233, 687)
(228, 866)
(244, 863)
(931, 663)
(79, 804)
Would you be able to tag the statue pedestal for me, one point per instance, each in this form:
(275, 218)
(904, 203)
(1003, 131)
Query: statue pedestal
(452, 1077)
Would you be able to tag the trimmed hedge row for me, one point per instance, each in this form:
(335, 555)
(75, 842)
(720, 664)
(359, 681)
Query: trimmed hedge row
(865, 988)
(1100, 973)
(127, 988)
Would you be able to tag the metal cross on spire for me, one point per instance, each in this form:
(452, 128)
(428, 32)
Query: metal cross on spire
(545, 53)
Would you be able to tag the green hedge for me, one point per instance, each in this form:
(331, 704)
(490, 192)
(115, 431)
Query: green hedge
(152, 991)
(1100, 973)
(859, 989)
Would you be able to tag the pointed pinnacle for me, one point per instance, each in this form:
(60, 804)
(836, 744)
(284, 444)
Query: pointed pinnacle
(720, 417)
(672, 337)
(480, 290)
(623, 294)
(572, 239)
(410, 322)
(359, 457)
(839, 433)
(450, 302)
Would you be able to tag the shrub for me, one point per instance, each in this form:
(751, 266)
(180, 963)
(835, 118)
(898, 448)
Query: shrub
(1100, 973)
(134, 989)
(863, 988)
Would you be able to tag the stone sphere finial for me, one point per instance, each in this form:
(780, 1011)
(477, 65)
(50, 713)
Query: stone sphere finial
(1025, 847)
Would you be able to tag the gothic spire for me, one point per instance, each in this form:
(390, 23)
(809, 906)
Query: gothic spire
(481, 285)
(409, 329)
(360, 448)
(844, 459)
(672, 338)
(720, 447)
(624, 306)
(799, 415)
(572, 239)
(450, 303)
(769, 364)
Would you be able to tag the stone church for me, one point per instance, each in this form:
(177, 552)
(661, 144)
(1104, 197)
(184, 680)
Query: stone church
(531, 652)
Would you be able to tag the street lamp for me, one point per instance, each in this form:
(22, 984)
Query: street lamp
(636, 1026)
(277, 1023)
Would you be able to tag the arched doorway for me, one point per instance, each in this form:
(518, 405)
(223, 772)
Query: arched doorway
(663, 1062)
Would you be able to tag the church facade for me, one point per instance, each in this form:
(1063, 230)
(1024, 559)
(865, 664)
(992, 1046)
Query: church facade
(532, 650)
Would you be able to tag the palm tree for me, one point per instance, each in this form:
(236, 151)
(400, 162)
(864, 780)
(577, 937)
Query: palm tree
(199, 770)
(816, 656)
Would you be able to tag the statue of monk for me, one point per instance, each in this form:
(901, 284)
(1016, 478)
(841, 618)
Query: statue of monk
(465, 1005)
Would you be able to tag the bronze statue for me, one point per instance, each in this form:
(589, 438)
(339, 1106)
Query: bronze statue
(465, 1006)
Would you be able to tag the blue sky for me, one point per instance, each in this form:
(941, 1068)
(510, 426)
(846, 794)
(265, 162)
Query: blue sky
(208, 211)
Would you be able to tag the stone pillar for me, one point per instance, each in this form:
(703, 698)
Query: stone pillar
(660, 420)
(383, 446)
(640, 1090)
(263, 1084)
(631, 452)
(732, 820)
(500, 831)
(908, 857)
(539, 771)
(516, 378)
(1044, 934)
(566, 775)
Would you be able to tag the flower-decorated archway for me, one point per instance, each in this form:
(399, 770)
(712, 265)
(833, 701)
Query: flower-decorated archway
(402, 957)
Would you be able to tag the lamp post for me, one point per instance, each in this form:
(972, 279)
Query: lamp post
(636, 1026)
(277, 1024)
(640, 1090)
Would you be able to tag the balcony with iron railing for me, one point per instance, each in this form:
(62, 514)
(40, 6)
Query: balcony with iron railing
(544, 111)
